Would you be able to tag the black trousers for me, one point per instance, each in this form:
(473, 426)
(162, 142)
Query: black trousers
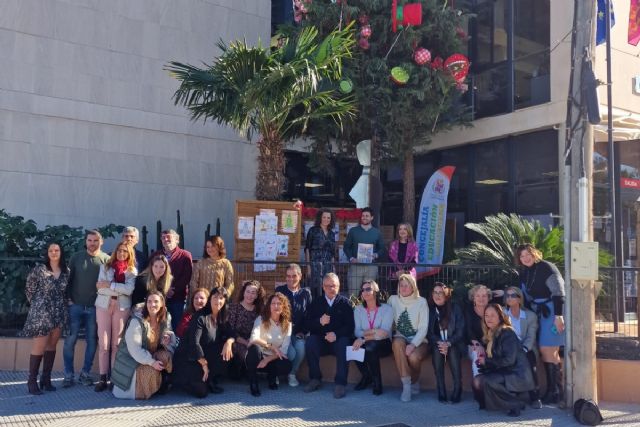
(277, 367)
(454, 361)
(373, 351)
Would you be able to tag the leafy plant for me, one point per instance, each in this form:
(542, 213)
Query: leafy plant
(22, 245)
(274, 92)
(501, 234)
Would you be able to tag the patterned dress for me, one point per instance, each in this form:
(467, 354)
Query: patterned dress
(322, 252)
(241, 320)
(46, 294)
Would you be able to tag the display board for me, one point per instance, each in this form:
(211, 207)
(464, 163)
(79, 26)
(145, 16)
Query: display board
(266, 231)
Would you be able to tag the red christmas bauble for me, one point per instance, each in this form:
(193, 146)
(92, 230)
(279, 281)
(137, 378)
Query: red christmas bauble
(421, 56)
(366, 31)
(363, 43)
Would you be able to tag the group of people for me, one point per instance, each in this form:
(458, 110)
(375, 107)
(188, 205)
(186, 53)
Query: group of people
(148, 342)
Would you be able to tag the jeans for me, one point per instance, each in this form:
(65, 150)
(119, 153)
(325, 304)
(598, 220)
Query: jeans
(295, 353)
(453, 359)
(175, 309)
(317, 346)
(80, 315)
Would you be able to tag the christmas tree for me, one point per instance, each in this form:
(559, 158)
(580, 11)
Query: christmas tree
(407, 75)
(404, 326)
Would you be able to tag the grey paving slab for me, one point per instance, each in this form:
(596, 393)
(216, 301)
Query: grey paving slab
(80, 405)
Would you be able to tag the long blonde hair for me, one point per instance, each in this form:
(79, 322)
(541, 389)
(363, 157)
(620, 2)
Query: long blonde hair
(131, 257)
(491, 334)
(164, 283)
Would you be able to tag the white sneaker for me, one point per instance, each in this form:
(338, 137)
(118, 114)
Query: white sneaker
(293, 381)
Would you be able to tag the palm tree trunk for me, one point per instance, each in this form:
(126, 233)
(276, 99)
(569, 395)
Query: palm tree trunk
(270, 178)
(409, 189)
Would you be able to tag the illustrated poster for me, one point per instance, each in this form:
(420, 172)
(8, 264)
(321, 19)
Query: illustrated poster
(245, 227)
(289, 221)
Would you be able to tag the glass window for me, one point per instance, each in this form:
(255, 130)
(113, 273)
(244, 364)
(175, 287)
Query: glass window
(531, 52)
(536, 157)
(537, 200)
(491, 163)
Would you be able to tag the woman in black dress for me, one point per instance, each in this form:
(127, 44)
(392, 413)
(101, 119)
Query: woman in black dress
(45, 291)
(203, 353)
(320, 249)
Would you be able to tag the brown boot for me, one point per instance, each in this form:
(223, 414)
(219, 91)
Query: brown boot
(34, 367)
(47, 366)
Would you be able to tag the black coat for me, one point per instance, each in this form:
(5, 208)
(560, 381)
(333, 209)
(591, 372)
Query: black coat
(198, 342)
(341, 312)
(456, 332)
(509, 361)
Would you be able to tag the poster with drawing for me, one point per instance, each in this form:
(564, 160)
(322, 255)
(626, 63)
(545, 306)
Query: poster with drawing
(289, 221)
(265, 248)
(266, 225)
(283, 245)
(245, 227)
(365, 253)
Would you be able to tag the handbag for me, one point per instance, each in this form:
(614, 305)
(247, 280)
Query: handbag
(586, 411)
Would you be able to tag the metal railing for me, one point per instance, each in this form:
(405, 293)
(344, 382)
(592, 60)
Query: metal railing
(617, 306)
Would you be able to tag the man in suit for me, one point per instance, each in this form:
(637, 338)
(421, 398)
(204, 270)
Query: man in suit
(329, 321)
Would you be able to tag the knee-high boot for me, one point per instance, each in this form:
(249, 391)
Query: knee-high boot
(551, 395)
(34, 367)
(47, 366)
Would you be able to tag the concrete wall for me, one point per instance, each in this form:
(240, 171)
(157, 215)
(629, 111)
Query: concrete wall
(88, 132)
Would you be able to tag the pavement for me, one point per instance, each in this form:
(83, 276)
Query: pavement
(81, 406)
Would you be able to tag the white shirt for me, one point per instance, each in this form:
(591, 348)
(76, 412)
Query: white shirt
(516, 322)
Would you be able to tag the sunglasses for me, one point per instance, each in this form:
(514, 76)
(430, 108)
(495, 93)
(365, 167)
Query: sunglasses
(512, 295)
(367, 289)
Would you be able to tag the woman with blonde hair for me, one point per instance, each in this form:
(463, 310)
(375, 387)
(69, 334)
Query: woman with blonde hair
(403, 252)
(504, 371)
(480, 296)
(145, 352)
(156, 277)
(116, 282)
(269, 343)
(411, 317)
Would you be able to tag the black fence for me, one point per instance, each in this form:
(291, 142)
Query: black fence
(617, 307)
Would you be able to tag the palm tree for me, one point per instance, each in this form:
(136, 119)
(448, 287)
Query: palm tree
(274, 92)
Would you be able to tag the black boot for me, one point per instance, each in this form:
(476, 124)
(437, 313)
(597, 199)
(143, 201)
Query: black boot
(478, 395)
(213, 386)
(365, 381)
(456, 396)
(377, 384)
(165, 385)
(254, 388)
(551, 395)
(560, 384)
(47, 366)
(271, 379)
(101, 385)
(441, 387)
(34, 367)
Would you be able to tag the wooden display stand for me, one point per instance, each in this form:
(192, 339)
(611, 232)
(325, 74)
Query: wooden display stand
(245, 249)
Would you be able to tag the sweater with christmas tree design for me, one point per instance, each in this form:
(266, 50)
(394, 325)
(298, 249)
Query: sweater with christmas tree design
(411, 320)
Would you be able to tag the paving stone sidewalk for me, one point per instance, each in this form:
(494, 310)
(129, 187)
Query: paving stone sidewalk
(81, 406)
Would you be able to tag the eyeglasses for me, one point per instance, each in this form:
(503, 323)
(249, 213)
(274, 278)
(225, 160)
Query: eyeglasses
(512, 295)
(439, 293)
(368, 289)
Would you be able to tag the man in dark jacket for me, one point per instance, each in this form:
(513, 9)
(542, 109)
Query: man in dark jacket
(329, 321)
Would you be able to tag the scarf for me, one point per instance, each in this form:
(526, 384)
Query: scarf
(119, 267)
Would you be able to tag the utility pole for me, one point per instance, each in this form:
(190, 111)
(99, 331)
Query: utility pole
(580, 349)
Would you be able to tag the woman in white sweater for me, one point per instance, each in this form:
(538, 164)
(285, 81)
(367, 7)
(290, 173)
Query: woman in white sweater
(269, 343)
(116, 283)
(411, 316)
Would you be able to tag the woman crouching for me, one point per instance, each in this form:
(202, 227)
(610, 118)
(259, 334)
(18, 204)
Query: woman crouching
(504, 372)
(269, 343)
(144, 353)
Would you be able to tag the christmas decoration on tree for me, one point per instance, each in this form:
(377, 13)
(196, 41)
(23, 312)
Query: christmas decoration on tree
(402, 109)
(458, 65)
(402, 16)
(421, 56)
(404, 325)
